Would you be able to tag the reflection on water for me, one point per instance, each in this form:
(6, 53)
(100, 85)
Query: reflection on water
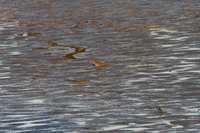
(149, 80)
(77, 50)
(70, 55)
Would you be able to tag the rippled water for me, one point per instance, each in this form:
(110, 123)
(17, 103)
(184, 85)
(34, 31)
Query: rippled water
(149, 81)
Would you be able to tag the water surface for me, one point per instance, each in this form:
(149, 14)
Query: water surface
(149, 81)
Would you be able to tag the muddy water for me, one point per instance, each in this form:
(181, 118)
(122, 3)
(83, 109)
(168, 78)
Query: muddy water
(149, 81)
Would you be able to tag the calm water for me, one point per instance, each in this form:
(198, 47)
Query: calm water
(149, 81)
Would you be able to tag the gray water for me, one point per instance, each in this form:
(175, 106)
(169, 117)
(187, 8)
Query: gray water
(149, 81)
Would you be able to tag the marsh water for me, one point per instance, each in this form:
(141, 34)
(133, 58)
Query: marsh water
(149, 81)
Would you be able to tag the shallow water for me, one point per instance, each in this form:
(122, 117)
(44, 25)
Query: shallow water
(149, 81)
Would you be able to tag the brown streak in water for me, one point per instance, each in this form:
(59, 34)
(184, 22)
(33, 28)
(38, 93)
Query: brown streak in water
(34, 24)
(83, 72)
(115, 76)
(34, 34)
(96, 91)
(53, 43)
(145, 27)
(70, 55)
(71, 88)
(145, 4)
(76, 80)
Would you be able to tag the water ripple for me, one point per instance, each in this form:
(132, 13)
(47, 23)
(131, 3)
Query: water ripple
(149, 81)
